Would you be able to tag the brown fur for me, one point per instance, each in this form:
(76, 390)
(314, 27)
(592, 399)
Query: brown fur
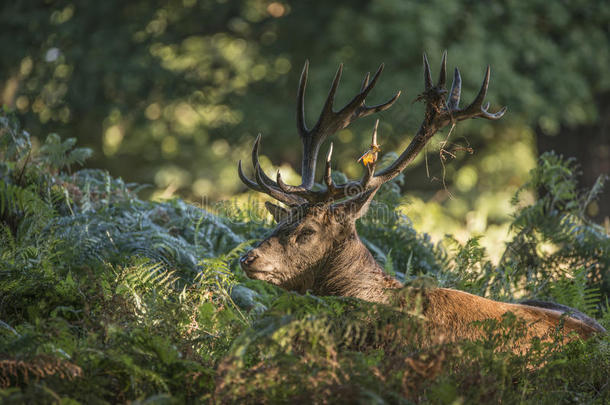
(321, 252)
(450, 314)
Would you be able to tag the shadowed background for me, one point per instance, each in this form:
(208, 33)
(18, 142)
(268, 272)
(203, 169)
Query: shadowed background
(173, 93)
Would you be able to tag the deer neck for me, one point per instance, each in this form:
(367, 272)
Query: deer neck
(353, 272)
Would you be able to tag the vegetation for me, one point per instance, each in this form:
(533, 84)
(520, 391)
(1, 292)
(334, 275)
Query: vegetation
(107, 298)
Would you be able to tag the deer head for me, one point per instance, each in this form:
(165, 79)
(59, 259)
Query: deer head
(315, 245)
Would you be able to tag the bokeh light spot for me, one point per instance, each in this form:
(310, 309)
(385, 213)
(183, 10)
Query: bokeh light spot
(26, 66)
(113, 137)
(153, 112)
(22, 103)
(276, 9)
(259, 72)
(201, 187)
(345, 136)
(220, 147)
(466, 178)
(282, 65)
(169, 146)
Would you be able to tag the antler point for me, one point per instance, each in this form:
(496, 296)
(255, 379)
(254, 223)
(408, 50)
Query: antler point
(374, 140)
(427, 74)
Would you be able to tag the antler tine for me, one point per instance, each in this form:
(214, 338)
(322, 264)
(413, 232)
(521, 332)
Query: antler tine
(374, 137)
(289, 199)
(330, 99)
(365, 111)
(301, 125)
(328, 170)
(370, 168)
(285, 187)
(456, 88)
(427, 74)
(251, 184)
(340, 190)
(327, 124)
(476, 108)
(349, 112)
(301, 194)
(264, 184)
(362, 110)
(478, 101)
(255, 160)
(442, 77)
(365, 82)
(371, 85)
(492, 116)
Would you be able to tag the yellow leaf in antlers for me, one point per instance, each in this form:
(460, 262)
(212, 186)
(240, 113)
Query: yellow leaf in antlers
(370, 156)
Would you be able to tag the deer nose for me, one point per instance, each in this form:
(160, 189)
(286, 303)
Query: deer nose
(249, 258)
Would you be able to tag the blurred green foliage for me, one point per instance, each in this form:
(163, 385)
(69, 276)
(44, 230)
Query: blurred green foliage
(106, 298)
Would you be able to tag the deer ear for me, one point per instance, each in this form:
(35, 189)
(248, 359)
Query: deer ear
(356, 206)
(278, 213)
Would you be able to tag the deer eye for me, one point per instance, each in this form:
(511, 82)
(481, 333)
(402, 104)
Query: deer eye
(305, 235)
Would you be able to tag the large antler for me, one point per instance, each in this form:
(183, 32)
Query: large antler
(439, 113)
(328, 123)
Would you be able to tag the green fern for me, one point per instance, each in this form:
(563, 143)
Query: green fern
(557, 219)
(575, 291)
(216, 274)
(60, 155)
(16, 200)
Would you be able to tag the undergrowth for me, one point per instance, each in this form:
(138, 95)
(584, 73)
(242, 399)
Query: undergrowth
(106, 298)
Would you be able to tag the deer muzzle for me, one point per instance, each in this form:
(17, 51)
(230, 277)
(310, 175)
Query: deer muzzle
(247, 260)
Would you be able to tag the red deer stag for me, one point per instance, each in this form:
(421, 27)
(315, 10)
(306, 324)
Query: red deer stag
(316, 247)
